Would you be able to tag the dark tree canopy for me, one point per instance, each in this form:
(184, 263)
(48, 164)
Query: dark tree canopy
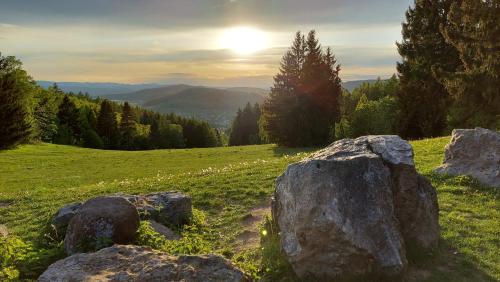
(423, 101)
(304, 102)
(16, 89)
(245, 126)
(107, 125)
(473, 29)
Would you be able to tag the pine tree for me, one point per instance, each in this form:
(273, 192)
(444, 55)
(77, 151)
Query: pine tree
(68, 116)
(474, 30)
(16, 89)
(45, 119)
(128, 127)
(423, 101)
(304, 102)
(245, 126)
(107, 126)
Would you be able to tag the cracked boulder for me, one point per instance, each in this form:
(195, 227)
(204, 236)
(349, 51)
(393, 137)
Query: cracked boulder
(101, 222)
(355, 209)
(473, 152)
(167, 208)
(141, 264)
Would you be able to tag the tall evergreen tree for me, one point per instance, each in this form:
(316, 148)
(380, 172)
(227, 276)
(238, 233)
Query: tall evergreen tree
(245, 127)
(68, 116)
(474, 30)
(304, 102)
(423, 101)
(107, 125)
(128, 127)
(45, 119)
(16, 88)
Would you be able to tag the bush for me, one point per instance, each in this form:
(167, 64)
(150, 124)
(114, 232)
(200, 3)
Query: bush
(193, 239)
(92, 140)
(20, 260)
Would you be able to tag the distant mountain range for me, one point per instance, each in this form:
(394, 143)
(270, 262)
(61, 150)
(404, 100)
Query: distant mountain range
(215, 105)
(97, 88)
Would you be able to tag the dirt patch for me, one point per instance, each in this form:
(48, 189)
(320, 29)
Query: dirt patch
(414, 274)
(249, 237)
(4, 204)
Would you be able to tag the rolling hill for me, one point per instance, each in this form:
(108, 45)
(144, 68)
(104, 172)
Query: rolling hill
(218, 106)
(215, 105)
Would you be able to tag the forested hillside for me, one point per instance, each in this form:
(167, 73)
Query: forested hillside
(30, 113)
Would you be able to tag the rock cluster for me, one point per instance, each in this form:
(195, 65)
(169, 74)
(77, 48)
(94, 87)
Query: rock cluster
(113, 219)
(473, 152)
(141, 264)
(355, 208)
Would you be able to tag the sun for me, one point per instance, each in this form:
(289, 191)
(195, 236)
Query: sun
(244, 40)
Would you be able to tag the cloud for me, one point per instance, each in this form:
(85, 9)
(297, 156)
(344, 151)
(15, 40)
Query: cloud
(157, 40)
(194, 13)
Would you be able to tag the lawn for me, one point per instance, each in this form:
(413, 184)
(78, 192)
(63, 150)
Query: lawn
(226, 183)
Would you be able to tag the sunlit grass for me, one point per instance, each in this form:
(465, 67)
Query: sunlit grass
(225, 183)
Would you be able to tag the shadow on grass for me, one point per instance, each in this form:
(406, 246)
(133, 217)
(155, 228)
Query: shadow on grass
(446, 265)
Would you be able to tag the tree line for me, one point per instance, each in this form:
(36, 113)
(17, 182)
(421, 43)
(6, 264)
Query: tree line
(30, 113)
(448, 78)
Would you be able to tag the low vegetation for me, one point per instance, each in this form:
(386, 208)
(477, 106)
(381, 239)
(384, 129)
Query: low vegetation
(225, 183)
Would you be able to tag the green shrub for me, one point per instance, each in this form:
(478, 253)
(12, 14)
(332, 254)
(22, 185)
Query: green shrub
(194, 237)
(20, 260)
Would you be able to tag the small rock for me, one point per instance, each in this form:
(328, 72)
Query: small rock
(163, 230)
(4, 232)
(141, 264)
(63, 216)
(100, 222)
(473, 152)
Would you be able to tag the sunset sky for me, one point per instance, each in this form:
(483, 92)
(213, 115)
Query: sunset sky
(204, 42)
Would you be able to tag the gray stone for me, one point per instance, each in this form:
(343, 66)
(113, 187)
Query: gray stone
(473, 152)
(163, 230)
(100, 222)
(63, 216)
(135, 263)
(347, 210)
(167, 208)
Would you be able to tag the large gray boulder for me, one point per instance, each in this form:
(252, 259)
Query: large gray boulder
(99, 223)
(134, 263)
(351, 209)
(473, 152)
(167, 208)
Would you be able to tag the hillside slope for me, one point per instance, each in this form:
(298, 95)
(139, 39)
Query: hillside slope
(226, 184)
(215, 105)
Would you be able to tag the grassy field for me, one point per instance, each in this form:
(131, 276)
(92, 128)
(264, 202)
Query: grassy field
(226, 184)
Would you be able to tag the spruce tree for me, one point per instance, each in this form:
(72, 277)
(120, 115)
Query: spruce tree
(128, 127)
(45, 119)
(107, 125)
(68, 116)
(16, 89)
(474, 30)
(423, 101)
(304, 102)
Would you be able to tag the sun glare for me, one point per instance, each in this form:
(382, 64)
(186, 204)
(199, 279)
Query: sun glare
(244, 40)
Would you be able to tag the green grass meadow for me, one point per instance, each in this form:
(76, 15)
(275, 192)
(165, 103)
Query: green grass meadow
(225, 184)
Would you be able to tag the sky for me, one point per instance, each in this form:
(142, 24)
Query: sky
(202, 42)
